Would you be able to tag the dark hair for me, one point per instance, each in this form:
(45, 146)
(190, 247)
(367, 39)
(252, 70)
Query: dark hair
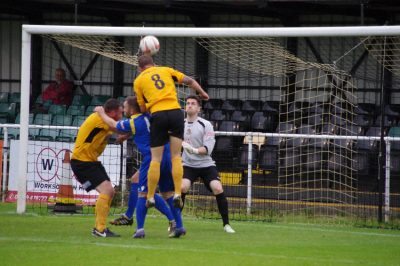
(145, 60)
(194, 97)
(111, 105)
(132, 102)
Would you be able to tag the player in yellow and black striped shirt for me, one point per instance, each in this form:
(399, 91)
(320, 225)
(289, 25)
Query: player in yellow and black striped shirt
(156, 92)
(89, 145)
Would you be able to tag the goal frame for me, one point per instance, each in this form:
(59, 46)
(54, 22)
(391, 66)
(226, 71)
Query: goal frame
(29, 30)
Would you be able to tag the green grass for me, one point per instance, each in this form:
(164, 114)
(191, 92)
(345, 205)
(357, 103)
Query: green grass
(33, 239)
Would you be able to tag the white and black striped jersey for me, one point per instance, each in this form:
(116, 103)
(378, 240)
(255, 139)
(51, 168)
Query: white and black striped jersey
(199, 133)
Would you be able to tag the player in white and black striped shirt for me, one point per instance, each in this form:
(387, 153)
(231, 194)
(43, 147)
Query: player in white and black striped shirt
(198, 144)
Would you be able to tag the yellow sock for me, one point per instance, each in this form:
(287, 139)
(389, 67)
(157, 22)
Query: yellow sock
(153, 175)
(177, 173)
(102, 209)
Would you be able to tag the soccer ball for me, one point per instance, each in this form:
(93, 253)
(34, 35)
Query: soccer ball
(149, 45)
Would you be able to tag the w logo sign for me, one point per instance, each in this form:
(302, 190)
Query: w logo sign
(47, 164)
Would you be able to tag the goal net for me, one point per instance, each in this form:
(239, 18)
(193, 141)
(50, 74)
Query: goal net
(291, 114)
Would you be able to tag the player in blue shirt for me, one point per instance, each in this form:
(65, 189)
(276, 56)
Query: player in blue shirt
(138, 126)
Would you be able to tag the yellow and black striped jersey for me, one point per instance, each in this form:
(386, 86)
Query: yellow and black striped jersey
(155, 88)
(92, 139)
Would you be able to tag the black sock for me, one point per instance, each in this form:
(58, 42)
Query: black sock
(223, 207)
(183, 196)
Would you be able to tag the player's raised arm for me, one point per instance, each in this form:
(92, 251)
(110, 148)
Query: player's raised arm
(192, 83)
(108, 120)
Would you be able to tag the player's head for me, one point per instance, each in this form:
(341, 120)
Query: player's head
(145, 61)
(113, 109)
(193, 105)
(131, 106)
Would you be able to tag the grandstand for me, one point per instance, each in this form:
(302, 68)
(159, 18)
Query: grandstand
(333, 98)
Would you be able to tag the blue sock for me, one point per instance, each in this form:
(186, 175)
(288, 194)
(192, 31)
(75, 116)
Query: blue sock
(133, 197)
(162, 206)
(141, 212)
(176, 212)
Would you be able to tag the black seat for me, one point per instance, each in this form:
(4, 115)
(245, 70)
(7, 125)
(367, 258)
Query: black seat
(242, 118)
(362, 120)
(315, 119)
(223, 152)
(269, 106)
(268, 158)
(251, 105)
(262, 122)
(212, 104)
(231, 105)
(218, 115)
(243, 156)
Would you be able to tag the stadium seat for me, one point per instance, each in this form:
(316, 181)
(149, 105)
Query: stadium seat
(306, 130)
(218, 115)
(57, 109)
(394, 132)
(231, 105)
(40, 119)
(4, 97)
(223, 152)
(291, 160)
(76, 110)
(99, 99)
(78, 120)
(8, 111)
(49, 134)
(62, 120)
(89, 110)
(269, 106)
(362, 120)
(338, 120)
(386, 121)
(80, 100)
(268, 158)
(244, 158)
(360, 111)
(15, 97)
(316, 108)
(360, 163)
(263, 122)
(212, 104)
(241, 118)
(229, 126)
(252, 105)
(315, 119)
(67, 135)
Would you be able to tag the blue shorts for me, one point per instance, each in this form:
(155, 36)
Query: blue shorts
(166, 182)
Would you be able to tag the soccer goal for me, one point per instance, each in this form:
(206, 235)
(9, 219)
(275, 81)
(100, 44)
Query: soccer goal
(287, 107)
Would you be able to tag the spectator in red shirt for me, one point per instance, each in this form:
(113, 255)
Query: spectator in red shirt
(60, 91)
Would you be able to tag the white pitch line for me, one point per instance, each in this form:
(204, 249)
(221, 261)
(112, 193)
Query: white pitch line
(169, 248)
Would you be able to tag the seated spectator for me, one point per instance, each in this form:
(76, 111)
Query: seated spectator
(60, 91)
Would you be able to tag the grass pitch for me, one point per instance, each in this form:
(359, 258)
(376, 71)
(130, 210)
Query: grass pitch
(33, 239)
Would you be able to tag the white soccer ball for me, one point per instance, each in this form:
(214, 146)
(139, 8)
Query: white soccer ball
(149, 45)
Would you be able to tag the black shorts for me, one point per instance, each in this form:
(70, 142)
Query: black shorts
(206, 174)
(164, 124)
(89, 174)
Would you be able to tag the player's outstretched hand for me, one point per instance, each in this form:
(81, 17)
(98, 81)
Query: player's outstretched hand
(189, 148)
(204, 96)
(99, 109)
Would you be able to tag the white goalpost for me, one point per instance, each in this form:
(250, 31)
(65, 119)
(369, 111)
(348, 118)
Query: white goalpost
(235, 46)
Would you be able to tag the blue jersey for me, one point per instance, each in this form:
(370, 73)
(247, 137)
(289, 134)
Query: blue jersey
(139, 126)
